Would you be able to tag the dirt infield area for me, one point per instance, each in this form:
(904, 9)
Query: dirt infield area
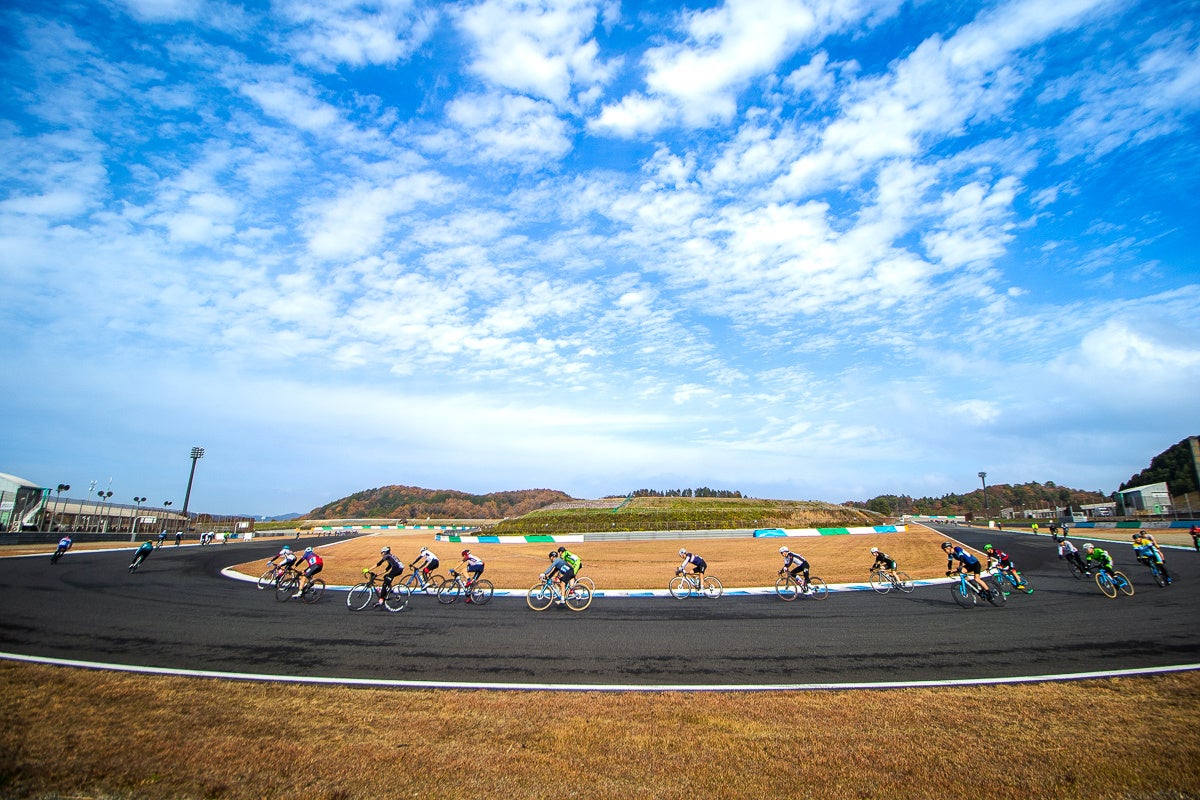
(739, 562)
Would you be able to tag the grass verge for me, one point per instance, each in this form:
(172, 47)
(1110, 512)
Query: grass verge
(81, 733)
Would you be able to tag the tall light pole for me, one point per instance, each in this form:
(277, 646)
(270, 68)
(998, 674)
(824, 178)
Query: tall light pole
(983, 477)
(197, 454)
(107, 497)
(62, 487)
(133, 528)
(166, 514)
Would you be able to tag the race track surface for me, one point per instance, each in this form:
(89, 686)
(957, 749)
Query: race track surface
(179, 612)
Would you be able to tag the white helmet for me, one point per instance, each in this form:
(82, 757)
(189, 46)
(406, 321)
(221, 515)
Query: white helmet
(1089, 546)
(385, 551)
(682, 551)
(874, 549)
(424, 550)
(783, 549)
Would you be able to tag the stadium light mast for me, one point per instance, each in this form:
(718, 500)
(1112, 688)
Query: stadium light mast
(983, 477)
(197, 454)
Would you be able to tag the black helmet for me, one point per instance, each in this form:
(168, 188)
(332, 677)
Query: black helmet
(553, 554)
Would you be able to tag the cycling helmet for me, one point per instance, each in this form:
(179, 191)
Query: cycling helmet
(424, 550)
(553, 554)
(946, 544)
(874, 549)
(682, 552)
(466, 553)
(307, 550)
(987, 547)
(385, 551)
(783, 549)
(285, 547)
(1089, 546)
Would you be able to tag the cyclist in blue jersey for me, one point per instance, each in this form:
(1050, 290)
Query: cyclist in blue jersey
(1147, 553)
(394, 567)
(64, 544)
(560, 572)
(966, 563)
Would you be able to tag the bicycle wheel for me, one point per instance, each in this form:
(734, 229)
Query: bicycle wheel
(787, 588)
(1124, 584)
(1026, 585)
(586, 581)
(360, 596)
(540, 596)
(711, 587)
(1075, 570)
(817, 589)
(880, 582)
(997, 597)
(1003, 582)
(1106, 584)
(286, 587)
(433, 583)
(397, 598)
(412, 582)
(1158, 577)
(903, 582)
(680, 587)
(314, 590)
(449, 592)
(963, 595)
(481, 592)
(266, 579)
(579, 597)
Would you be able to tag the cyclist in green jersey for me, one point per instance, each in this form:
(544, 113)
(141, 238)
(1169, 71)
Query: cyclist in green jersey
(573, 561)
(1100, 558)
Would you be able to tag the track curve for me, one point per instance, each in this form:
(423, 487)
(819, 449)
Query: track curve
(177, 612)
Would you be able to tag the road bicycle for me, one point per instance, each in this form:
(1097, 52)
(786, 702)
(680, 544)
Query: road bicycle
(271, 576)
(1111, 584)
(1155, 571)
(416, 581)
(137, 562)
(361, 594)
(1008, 582)
(684, 585)
(289, 587)
(1077, 571)
(966, 593)
(789, 588)
(546, 591)
(885, 580)
(479, 592)
(57, 554)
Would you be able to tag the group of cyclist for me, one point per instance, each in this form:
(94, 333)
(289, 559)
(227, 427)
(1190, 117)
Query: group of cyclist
(310, 562)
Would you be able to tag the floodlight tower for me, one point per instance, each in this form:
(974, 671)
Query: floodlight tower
(983, 477)
(197, 454)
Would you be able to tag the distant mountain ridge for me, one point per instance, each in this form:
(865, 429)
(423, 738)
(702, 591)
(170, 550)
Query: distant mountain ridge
(411, 502)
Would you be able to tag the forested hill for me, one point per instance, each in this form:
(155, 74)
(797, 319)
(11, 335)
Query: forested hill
(1174, 466)
(1020, 496)
(413, 502)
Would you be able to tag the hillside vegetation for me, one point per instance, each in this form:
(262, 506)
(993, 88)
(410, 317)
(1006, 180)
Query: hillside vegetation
(688, 513)
(404, 502)
(1174, 466)
(1019, 496)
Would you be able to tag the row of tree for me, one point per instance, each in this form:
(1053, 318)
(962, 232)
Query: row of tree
(703, 491)
(1017, 496)
(413, 502)
(1175, 466)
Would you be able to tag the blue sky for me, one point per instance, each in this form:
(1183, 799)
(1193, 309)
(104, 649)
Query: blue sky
(805, 250)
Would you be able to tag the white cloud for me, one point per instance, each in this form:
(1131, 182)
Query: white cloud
(355, 32)
(511, 129)
(538, 48)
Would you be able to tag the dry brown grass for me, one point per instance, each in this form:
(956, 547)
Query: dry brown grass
(646, 565)
(80, 733)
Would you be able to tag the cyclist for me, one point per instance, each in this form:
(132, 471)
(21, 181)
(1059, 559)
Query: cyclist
(882, 561)
(474, 565)
(795, 564)
(1195, 532)
(1004, 562)
(394, 567)
(1148, 554)
(560, 572)
(142, 554)
(573, 561)
(699, 565)
(286, 559)
(64, 544)
(162, 537)
(426, 562)
(1101, 558)
(315, 565)
(966, 563)
(1068, 550)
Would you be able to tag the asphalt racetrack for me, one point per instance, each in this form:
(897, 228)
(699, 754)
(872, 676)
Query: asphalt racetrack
(179, 612)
